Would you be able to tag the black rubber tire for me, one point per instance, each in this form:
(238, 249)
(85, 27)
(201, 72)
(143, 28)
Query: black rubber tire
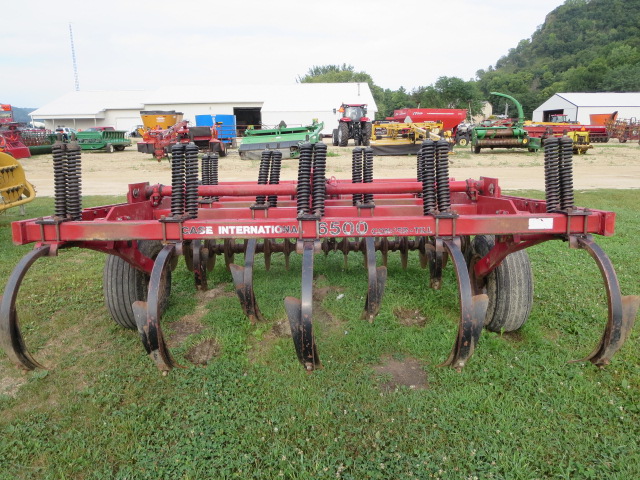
(118, 148)
(476, 149)
(123, 284)
(509, 287)
(334, 137)
(366, 134)
(343, 134)
(108, 148)
(463, 141)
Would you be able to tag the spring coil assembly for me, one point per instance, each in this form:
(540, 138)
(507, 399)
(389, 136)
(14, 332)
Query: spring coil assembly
(420, 168)
(367, 176)
(177, 180)
(213, 172)
(303, 191)
(60, 178)
(427, 175)
(566, 174)
(209, 166)
(552, 174)
(442, 176)
(73, 186)
(274, 175)
(205, 169)
(263, 174)
(191, 179)
(319, 180)
(356, 173)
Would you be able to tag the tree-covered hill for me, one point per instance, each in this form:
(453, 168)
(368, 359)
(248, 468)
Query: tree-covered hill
(583, 46)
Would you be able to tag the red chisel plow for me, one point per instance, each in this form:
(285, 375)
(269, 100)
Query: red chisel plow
(469, 223)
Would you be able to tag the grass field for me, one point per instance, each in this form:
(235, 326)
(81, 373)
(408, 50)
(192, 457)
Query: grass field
(517, 411)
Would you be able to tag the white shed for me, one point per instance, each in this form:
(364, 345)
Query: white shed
(579, 106)
(295, 104)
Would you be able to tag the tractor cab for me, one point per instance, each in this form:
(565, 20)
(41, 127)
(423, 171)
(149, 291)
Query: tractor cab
(353, 112)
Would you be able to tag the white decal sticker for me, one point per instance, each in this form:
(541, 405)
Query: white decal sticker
(541, 224)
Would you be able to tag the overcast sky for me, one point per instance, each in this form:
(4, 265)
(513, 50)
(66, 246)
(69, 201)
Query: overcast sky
(140, 44)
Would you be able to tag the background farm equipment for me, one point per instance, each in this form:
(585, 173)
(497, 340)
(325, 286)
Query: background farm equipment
(393, 138)
(537, 134)
(107, 140)
(622, 128)
(159, 142)
(354, 124)
(560, 123)
(468, 224)
(11, 141)
(160, 119)
(15, 190)
(38, 141)
(450, 118)
(501, 134)
(286, 140)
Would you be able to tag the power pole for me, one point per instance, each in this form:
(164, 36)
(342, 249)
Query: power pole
(73, 57)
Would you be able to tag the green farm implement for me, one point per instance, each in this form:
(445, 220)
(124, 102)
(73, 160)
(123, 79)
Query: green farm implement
(285, 139)
(108, 140)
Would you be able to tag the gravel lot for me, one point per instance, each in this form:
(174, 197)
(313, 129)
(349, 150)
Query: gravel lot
(610, 165)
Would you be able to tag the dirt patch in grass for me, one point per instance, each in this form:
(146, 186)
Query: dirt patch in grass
(513, 337)
(401, 373)
(189, 325)
(204, 351)
(192, 324)
(410, 317)
(9, 386)
(281, 329)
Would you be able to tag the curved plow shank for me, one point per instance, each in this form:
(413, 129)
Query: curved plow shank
(377, 278)
(622, 310)
(199, 260)
(10, 337)
(473, 309)
(147, 313)
(243, 281)
(300, 313)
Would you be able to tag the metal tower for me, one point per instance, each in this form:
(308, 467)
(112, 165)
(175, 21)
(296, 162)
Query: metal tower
(73, 57)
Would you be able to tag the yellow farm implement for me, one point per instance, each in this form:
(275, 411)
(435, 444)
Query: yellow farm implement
(394, 138)
(14, 188)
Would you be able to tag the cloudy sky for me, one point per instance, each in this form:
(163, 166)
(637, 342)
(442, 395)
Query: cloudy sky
(141, 44)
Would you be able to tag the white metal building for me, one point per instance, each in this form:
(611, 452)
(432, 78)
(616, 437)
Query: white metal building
(579, 106)
(296, 104)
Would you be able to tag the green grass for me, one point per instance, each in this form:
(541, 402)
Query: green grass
(517, 411)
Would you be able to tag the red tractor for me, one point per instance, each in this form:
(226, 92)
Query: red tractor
(354, 123)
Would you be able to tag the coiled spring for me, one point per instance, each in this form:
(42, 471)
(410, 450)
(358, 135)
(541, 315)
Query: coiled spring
(319, 180)
(59, 178)
(210, 171)
(191, 179)
(74, 179)
(177, 180)
(263, 173)
(552, 174)
(303, 191)
(356, 172)
(442, 176)
(427, 175)
(367, 175)
(274, 175)
(566, 173)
